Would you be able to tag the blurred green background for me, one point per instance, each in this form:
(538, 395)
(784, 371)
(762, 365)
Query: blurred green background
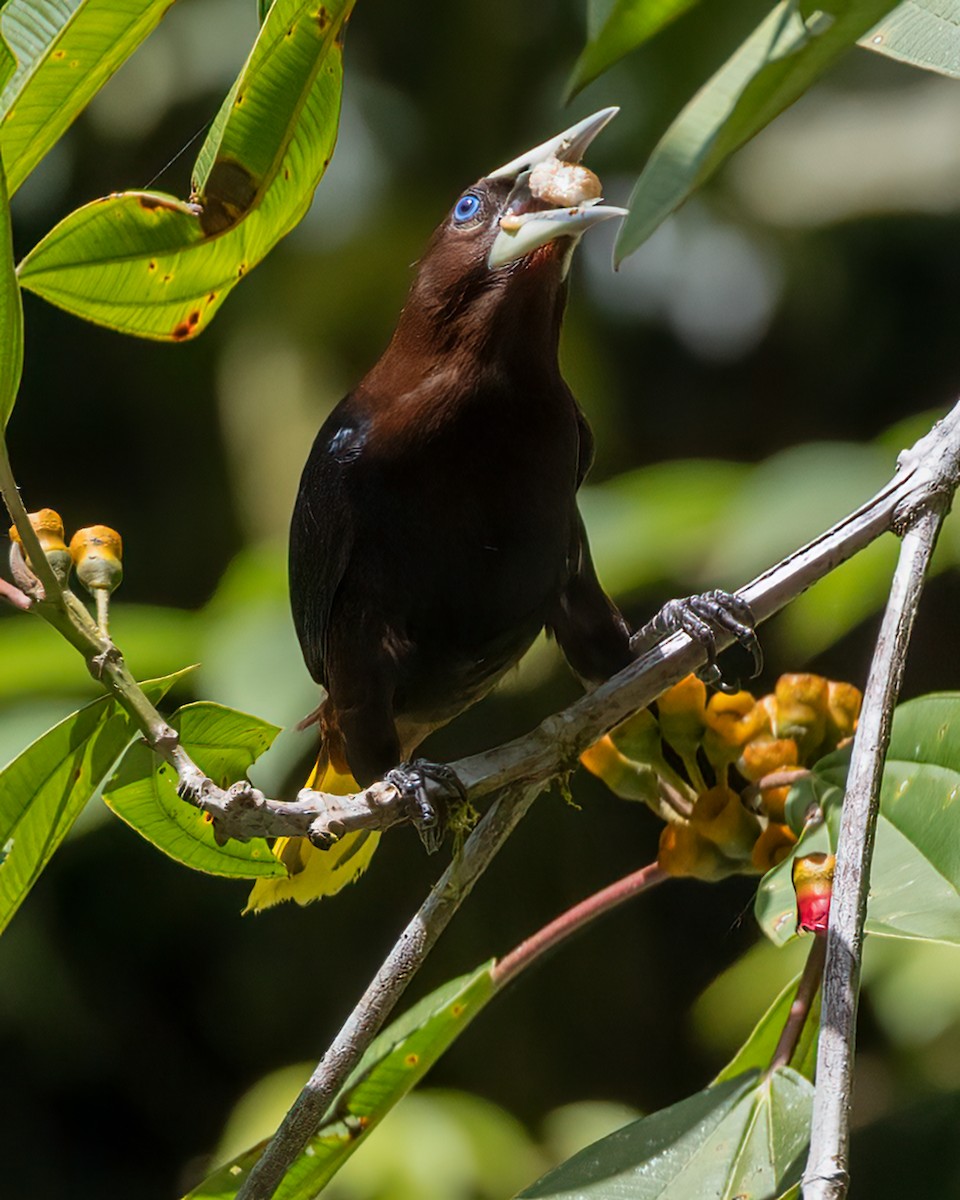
(789, 330)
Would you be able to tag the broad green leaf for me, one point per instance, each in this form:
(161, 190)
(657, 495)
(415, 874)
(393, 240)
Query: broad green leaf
(223, 743)
(148, 264)
(745, 1137)
(11, 312)
(627, 25)
(66, 51)
(263, 7)
(44, 789)
(915, 879)
(784, 55)
(757, 1051)
(924, 33)
(393, 1064)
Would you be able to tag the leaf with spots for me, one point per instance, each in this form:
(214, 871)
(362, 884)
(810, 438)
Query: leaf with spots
(223, 743)
(44, 789)
(394, 1062)
(915, 879)
(151, 265)
(66, 51)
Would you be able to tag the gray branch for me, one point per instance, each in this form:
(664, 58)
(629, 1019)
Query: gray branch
(827, 1173)
(553, 748)
(521, 769)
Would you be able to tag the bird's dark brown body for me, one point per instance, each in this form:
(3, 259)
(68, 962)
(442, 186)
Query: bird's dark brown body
(436, 531)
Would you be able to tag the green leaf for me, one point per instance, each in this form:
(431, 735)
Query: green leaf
(392, 1065)
(784, 55)
(66, 51)
(223, 743)
(11, 313)
(627, 25)
(758, 1050)
(263, 7)
(745, 1137)
(915, 879)
(924, 33)
(44, 789)
(148, 264)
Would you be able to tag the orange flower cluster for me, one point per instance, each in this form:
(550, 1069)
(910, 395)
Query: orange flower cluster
(719, 770)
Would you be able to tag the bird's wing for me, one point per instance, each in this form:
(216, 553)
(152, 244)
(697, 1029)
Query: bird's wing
(321, 538)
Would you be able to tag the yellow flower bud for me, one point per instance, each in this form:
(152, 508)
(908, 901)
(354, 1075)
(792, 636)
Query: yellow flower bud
(732, 720)
(638, 737)
(802, 711)
(684, 851)
(772, 846)
(843, 711)
(681, 711)
(721, 818)
(625, 778)
(766, 754)
(49, 530)
(97, 551)
(813, 884)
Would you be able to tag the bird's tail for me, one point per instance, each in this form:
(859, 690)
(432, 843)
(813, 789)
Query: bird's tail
(312, 873)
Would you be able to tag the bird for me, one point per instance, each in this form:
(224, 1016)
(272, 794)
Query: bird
(436, 531)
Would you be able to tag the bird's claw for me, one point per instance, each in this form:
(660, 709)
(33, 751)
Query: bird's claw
(426, 788)
(700, 617)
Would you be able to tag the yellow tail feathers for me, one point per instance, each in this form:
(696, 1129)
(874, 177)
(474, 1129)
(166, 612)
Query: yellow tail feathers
(313, 873)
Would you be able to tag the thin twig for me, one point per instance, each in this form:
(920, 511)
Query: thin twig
(827, 1174)
(386, 988)
(575, 919)
(807, 990)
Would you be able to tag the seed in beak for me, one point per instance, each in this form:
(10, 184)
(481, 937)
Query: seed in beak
(563, 184)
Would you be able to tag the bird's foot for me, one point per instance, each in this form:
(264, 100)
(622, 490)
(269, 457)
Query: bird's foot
(701, 617)
(426, 788)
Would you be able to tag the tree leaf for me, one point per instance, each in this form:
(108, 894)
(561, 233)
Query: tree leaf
(757, 1051)
(924, 33)
(745, 1137)
(223, 743)
(44, 789)
(394, 1062)
(776, 64)
(11, 313)
(66, 51)
(915, 879)
(148, 264)
(627, 25)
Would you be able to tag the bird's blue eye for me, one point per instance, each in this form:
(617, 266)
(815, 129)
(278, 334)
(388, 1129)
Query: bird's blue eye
(467, 206)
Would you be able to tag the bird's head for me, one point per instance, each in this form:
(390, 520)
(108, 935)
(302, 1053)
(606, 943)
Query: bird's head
(505, 246)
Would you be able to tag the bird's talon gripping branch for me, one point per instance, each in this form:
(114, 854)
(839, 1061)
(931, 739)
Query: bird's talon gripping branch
(426, 788)
(700, 617)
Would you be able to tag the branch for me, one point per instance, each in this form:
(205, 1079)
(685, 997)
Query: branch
(807, 990)
(575, 919)
(554, 747)
(827, 1174)
(520, 769)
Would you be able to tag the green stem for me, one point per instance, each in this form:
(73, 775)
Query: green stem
(33, 551)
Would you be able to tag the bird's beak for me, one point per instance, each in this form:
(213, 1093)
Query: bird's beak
(532, 218)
